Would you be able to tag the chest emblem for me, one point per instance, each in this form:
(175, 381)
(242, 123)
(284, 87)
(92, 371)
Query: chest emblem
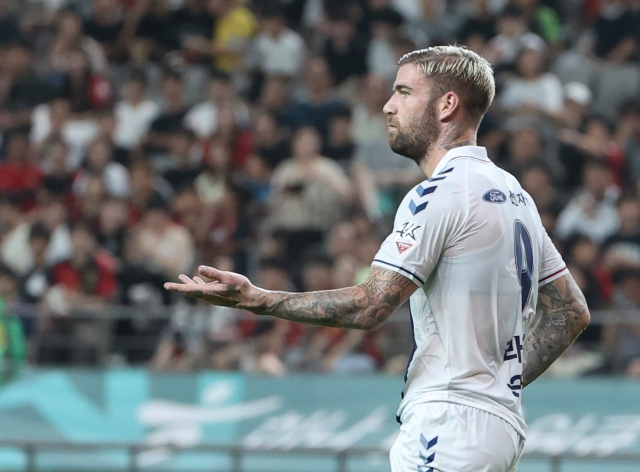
(494, 196)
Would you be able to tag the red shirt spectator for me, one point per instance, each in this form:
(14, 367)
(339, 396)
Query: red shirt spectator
(88, 272)
(18, 175)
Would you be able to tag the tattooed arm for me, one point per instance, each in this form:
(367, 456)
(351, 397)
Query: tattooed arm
(364, 306)
(562, 316)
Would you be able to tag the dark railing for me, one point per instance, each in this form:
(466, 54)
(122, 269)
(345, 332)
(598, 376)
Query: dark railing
(238, 453)
(103, 338)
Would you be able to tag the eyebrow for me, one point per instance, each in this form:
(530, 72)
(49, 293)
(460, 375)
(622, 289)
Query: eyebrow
(399, 87)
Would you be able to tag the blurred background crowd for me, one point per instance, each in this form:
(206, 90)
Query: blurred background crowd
(140, 138)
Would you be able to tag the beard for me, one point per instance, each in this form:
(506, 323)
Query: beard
(416, 139)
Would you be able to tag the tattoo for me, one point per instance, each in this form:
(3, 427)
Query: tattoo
(364, 306)
(561, 316)
(451, 136)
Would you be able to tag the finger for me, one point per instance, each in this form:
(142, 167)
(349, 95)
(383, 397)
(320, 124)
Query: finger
(198, 280)
(216, 290)
(211, 273)
(186, 279)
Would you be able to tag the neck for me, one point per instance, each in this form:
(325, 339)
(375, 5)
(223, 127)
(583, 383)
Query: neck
(451, 138)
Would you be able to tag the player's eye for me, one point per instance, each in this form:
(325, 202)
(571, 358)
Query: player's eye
(404, 93)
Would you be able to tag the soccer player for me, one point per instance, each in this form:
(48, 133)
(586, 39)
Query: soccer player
(492, 302)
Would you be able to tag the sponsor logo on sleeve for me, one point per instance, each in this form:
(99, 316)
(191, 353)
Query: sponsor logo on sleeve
(406, 237)
(494, 196)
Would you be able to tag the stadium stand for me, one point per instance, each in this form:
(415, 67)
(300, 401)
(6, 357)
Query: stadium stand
(140, 137)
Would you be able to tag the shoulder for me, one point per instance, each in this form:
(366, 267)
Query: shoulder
(442, 193)
(329, 165)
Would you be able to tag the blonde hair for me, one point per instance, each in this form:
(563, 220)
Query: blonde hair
(457, 69)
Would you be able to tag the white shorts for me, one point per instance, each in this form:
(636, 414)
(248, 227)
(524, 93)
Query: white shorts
(448, 437)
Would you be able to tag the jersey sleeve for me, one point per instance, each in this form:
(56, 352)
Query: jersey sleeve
(423, 230)
(552, 266)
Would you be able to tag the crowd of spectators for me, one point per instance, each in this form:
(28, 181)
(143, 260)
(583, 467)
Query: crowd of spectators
(140, 138)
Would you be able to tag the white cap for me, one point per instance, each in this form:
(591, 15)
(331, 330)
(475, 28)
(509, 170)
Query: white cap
(578, 92)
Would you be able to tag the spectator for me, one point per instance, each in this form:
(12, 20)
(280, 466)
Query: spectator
(99, 163)
(54, 162)
(542, 20)
(135, 112)
(164, 243)
(594, 140)
(381, 57)
(10, 29)
(87, 279)
(277, 49)
(112, 228)
(534, 90)
(275, 97)
(513, 34)
(211, 185)
(156, 33)
(316, 273)
(184, 163)
(628, 137)
(23, 88)
(107, 26)
(592, 211)
(237, 139)
(615, 32)
(173, 110)
(344, 51)
(86, 90)
(203, 117)
(269, 139)
(33, 285)
(577, 98)
(481, 22)
(622, 341)
(54, 216)
(69, 38)
(524, 146)
(437, 23)
(320, 100)
(310, 192)
(622, 249)
(193, 20)
(537, 181)
(340, 147)
(234, 29)
(146, 189)
(20, 178)
(54, 121)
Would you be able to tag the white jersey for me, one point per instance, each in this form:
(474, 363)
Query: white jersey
(471, 238)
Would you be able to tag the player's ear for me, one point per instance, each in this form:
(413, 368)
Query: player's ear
(447, 106)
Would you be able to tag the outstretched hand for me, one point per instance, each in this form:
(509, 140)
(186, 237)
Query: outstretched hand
(224, 289)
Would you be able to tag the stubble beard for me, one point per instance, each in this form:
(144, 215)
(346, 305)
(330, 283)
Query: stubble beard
(416, 139)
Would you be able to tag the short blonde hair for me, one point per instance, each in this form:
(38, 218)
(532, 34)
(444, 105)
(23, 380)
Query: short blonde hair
(457, 69)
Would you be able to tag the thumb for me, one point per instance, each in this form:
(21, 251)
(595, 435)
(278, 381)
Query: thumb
(211, 273)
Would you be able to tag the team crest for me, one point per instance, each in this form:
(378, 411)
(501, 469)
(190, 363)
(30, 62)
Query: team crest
(405, 237)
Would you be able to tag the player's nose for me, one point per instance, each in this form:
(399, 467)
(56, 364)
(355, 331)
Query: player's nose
(390, 107)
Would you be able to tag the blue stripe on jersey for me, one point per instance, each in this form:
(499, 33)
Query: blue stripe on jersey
(423, 192)
(413, 351)
(446, 171)
(433, 179)
(402, 269)
(415, 209)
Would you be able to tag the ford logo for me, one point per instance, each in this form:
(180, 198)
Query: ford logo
(494, 196)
